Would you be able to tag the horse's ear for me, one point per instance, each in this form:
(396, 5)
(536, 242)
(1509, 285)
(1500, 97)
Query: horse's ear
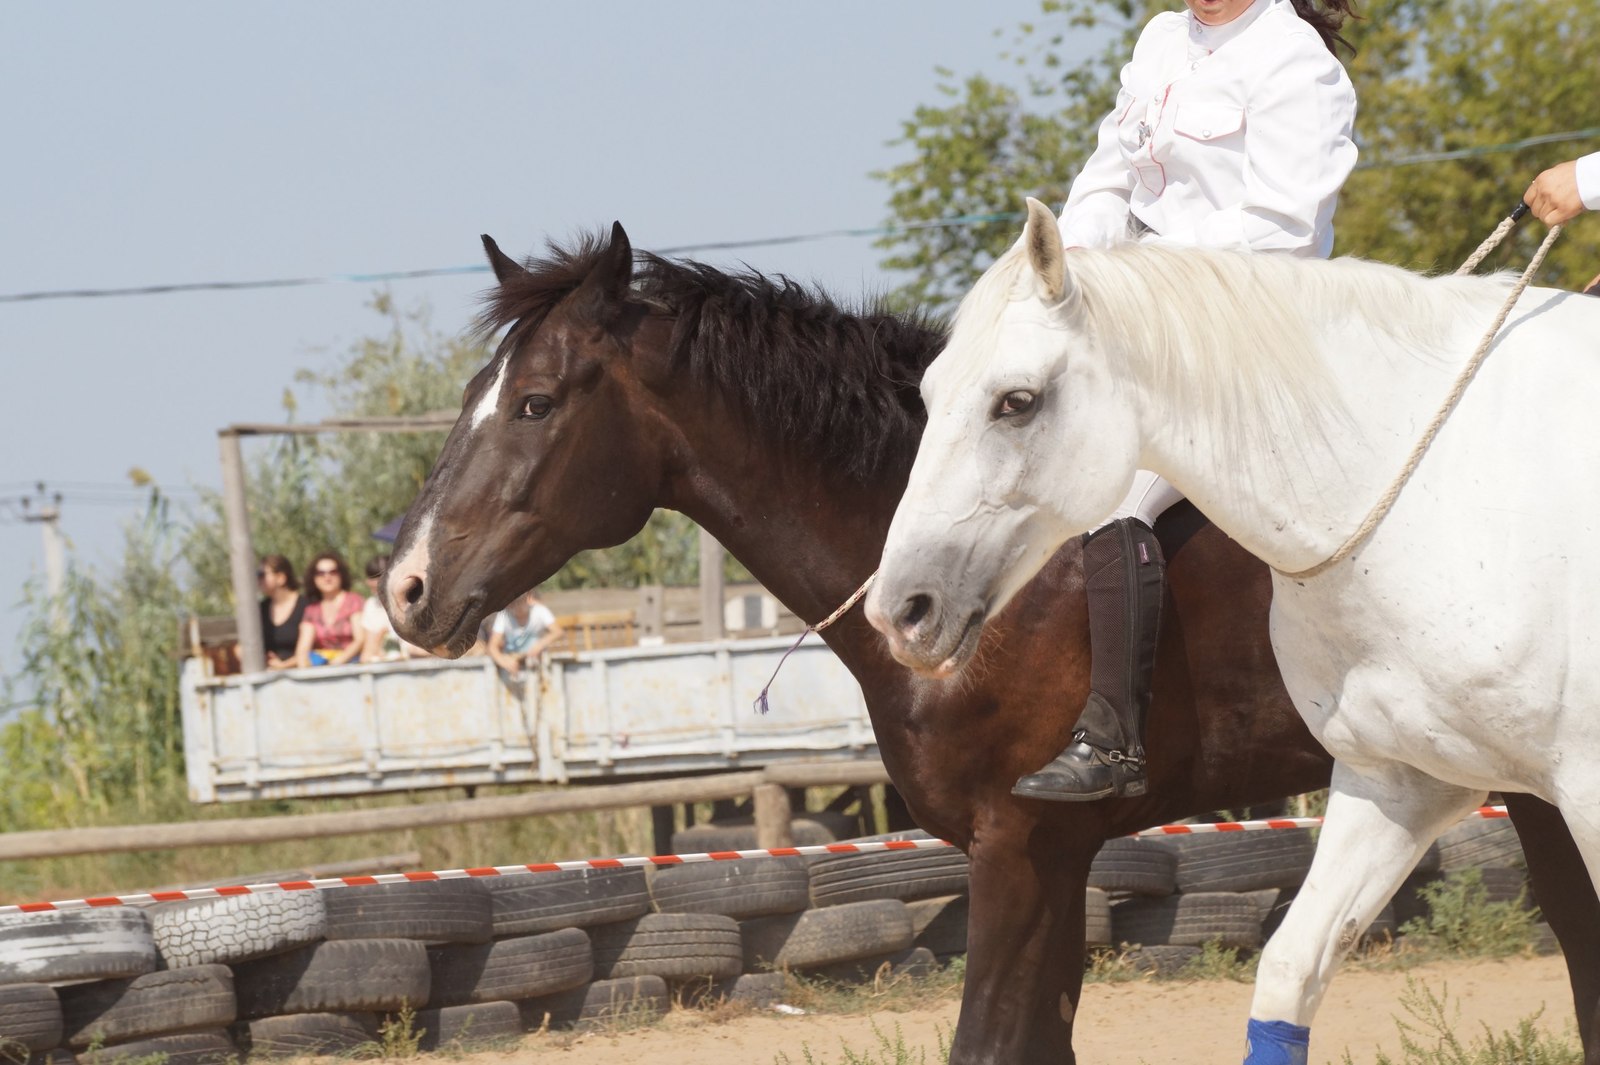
(607, 285)
(505, 267)
(1041, 237)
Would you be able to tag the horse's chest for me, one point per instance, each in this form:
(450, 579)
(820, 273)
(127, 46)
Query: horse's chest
(1378, 680)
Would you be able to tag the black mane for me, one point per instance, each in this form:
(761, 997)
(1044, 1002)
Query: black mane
(812, 376)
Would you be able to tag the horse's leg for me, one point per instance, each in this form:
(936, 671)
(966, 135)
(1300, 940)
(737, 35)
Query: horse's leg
(1379, 821)
(1024, 945)
(1566, 896)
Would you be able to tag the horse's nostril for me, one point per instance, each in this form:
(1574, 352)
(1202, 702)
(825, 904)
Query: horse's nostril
(916, 608)
(411, 590)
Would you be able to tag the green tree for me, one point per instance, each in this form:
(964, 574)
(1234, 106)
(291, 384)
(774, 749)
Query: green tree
(1431, 76)
(100, 665)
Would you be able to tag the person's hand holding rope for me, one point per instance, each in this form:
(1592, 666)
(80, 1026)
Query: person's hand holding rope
(1554, 195)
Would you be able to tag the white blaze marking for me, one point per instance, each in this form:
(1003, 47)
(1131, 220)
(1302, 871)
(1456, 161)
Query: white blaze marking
(414, 563)
(491, 399)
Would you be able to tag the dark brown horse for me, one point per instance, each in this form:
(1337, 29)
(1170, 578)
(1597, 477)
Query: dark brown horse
(786, 426)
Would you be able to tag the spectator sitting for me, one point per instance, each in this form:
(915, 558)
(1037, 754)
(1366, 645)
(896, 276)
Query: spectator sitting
(330, 633)
(282, 610)
(382, 643)
(521, 632)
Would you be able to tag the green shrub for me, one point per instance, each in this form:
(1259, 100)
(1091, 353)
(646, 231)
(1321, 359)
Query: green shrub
(1462, 921)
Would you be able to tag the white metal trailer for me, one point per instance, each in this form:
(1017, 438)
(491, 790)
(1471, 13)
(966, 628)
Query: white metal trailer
(598, 715)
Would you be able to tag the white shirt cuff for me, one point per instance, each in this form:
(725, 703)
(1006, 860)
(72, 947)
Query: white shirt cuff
(1589, 181)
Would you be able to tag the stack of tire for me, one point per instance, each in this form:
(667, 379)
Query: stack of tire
(1168, 896)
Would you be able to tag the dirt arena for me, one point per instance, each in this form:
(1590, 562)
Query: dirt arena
(1119, 1024)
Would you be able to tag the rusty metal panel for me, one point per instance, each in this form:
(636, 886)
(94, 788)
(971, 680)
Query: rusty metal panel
(430, 723)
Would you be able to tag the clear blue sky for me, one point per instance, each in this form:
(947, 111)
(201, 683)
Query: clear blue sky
(174, 142)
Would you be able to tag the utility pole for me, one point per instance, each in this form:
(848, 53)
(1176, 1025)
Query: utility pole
(55, 556)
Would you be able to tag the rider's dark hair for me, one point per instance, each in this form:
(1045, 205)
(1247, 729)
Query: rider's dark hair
(1327, 17)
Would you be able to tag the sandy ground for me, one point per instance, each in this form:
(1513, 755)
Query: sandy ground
(1118, 1024)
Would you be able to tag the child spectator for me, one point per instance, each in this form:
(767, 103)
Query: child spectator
(521, 632)
(330, 633)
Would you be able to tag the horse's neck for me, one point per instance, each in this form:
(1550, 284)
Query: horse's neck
(1293, 490)
(809, 535)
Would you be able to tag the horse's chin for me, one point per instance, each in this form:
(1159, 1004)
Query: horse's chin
(945, 656)
(460, 637)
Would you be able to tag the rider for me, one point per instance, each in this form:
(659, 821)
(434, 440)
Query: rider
(1232, 129)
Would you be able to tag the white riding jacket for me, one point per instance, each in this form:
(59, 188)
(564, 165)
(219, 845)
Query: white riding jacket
(1223, 136)
(1589, 181)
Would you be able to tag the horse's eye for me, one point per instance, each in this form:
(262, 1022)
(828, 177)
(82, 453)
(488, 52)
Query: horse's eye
(536, 407)
(1014, 403)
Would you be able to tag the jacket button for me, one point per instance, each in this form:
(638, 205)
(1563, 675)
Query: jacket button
(1205, 133)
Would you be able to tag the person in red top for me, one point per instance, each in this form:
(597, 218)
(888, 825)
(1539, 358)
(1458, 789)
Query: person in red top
(330, 631)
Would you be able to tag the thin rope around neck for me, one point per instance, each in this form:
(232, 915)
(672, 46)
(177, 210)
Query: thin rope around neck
(844, 608)
(1464, 378)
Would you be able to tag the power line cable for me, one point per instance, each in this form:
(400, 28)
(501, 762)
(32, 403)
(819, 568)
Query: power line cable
(725, 245)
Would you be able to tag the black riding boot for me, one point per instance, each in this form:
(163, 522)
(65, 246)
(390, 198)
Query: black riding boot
(1123, 575)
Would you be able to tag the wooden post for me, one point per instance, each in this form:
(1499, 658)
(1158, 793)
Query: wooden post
(773, 829)
(710, 587)
(650, 613)
(241, 556)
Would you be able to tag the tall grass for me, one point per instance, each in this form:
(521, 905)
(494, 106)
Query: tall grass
(1431, 1034)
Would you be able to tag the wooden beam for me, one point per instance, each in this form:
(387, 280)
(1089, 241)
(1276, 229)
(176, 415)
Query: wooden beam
(241, 557)
(57, 843)
(433, 422)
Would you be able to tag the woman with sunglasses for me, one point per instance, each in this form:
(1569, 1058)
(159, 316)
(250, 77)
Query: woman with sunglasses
(330, 632)
(282, 610)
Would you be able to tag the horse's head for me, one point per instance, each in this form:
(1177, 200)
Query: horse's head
(1029, 440)
(542, 462)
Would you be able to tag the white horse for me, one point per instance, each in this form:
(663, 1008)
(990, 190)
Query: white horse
(1453, 653)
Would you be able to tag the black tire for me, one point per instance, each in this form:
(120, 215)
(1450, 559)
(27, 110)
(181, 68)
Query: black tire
(194, 1048)
(467, 1026)
(56, 1056)
(940, 924)
(834, 934)
(237, 928)
(355, 975)
(756, 990)
(309, 1033)
(926, 873)
(1504, 884)
(880, 969)
(1096, 918)
(164, 1003)
(739, 834)
(1243, 861)
(63, 945)
(752, 887)
(1136, 867)
(1409, 902)
(1273, 905)
(509, 969)
(1188, 921)
(630, 1000)
(673, 946)
(1383, 928)
(30, 1015)
(577, 898)
(433, 911)
(1480, 843)
(1161, 960)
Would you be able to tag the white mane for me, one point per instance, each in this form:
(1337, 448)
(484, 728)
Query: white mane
(1235, 333)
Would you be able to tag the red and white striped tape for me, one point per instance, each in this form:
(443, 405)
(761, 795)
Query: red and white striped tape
(617, 863)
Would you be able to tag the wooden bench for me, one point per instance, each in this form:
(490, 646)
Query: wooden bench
(594, 630)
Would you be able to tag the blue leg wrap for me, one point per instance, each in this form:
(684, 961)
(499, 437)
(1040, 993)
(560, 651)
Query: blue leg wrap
(1276, 1043)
